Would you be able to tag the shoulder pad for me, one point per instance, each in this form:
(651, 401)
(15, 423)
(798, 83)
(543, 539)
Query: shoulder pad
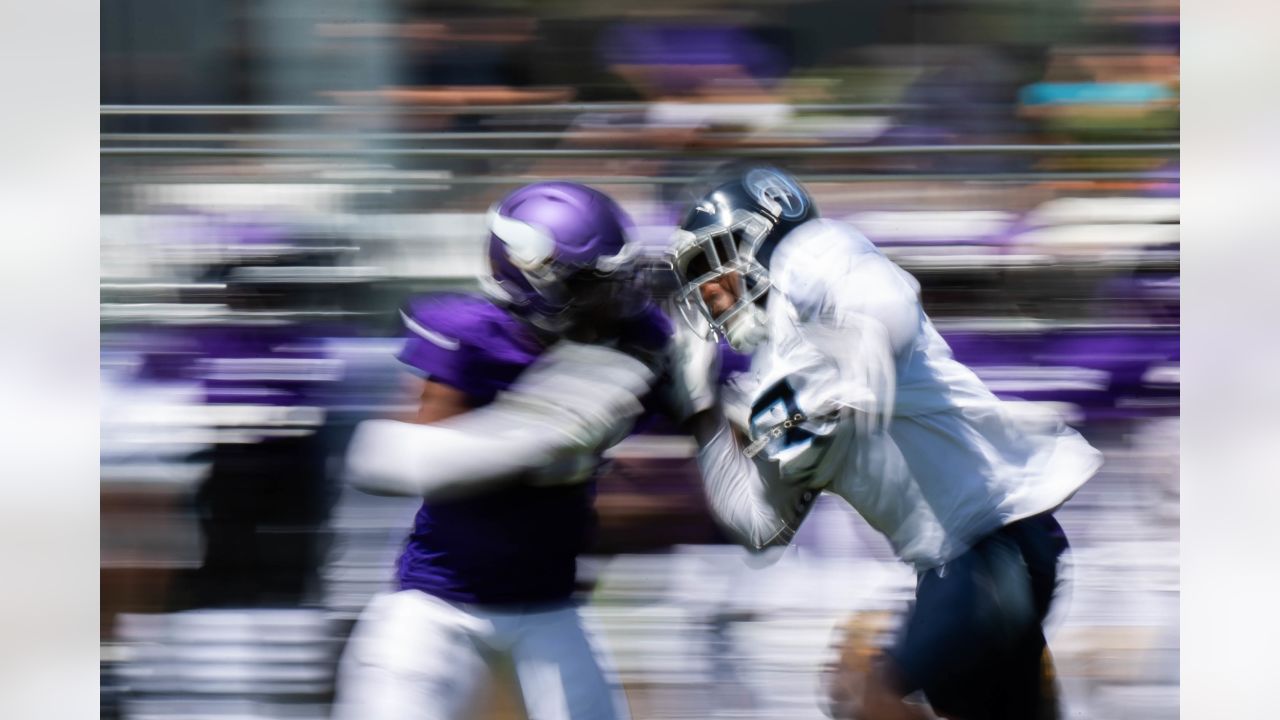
(465, 342)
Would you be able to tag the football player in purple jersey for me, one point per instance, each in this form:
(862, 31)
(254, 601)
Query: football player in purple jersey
(521, 391)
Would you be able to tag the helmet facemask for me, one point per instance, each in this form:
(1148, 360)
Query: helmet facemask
(711, 253)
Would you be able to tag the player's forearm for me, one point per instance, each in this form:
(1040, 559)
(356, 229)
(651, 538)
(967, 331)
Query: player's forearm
(735, 486)
(388, 457)
(474, 452)
(575, 402)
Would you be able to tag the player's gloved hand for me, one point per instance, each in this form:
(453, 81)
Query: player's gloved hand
(693, 363)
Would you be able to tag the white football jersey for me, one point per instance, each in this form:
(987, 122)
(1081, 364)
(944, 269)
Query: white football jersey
(855, 393)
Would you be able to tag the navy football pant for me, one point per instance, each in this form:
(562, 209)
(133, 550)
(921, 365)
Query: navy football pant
(973, 640)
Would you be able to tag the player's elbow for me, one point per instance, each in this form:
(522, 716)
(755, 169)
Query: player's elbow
(372, 476)
(385, 458)
(765, 551)
(761, 538)
(377, 483)
(388, 457)
(760, 547)
(368, 473)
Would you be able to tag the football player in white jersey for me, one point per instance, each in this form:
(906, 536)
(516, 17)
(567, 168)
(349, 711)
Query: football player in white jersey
(852, 391)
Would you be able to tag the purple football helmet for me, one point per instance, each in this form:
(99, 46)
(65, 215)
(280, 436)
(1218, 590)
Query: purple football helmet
(558, 253)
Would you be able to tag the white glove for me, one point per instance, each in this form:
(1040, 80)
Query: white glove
(693, 361)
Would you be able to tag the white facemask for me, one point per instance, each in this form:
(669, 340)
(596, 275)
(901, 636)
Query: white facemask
(747, 329)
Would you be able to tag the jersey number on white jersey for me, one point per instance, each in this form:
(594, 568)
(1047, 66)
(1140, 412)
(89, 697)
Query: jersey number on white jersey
(775, 414)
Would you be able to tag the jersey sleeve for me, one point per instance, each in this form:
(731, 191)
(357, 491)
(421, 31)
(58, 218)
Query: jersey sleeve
(757, 505)
(879, 292)
(834, 276)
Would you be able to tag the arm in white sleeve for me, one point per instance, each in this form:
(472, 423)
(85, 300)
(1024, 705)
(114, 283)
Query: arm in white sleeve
(575, 400)
(390, 457)
(749, 499)
(693, 366)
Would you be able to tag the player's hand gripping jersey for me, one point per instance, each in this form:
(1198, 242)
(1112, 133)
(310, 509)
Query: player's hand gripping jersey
(856, 393)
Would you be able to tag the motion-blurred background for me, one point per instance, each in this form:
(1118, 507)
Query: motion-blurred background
(278, 175)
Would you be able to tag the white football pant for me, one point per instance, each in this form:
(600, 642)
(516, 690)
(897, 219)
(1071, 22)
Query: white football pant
(413, 656)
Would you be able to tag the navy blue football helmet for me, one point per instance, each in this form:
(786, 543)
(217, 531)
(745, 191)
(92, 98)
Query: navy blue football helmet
(734, 228)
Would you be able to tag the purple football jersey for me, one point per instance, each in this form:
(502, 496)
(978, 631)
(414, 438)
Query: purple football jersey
(516, 545)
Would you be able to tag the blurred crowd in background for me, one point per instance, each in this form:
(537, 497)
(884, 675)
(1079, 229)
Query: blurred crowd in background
(278, 176)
